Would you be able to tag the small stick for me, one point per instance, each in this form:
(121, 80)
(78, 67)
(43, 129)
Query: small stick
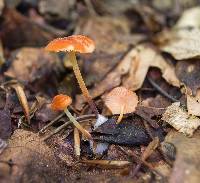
(148, 151)
(90, 7)
(161, 91)
(77, 143)
(51, 123)
(77, 124)
(139, 160)
(81, 118)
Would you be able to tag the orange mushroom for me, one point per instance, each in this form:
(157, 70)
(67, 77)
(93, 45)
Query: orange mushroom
(73, 44)
(121, 101)
(60, 103)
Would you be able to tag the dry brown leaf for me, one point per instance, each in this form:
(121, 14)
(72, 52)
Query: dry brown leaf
(188, 73)
(180, 120)
(147, 57)
(17, 31)
(186, 166)
(193, 104)
(110, 39)
(183, 43)
(30, 64)
(23, 100)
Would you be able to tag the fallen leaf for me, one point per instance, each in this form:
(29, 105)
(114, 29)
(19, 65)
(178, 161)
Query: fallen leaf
(58, 10)
(186, 166)
(188, 73)
(183, 43)
(104, 40)
(111, 44)
(147, 57)
(193, 104)
(148, 112)
(127, 133)
(180, 120)
(97, 66)
(31, 64)
(15, 24)
(23, 100)
(189, 18)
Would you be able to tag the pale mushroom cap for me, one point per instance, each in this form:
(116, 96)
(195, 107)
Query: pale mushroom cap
(60, 102)
(76, 43)
(119, 97)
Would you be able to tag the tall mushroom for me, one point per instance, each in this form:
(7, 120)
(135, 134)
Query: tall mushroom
(73, 44)
(121, 101)
(60, 103)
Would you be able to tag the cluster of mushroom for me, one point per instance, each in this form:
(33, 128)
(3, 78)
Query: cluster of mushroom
(119, 101)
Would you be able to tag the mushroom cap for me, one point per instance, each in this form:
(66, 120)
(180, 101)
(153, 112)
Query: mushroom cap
(120, 96)
(60, 102)
(77, 43)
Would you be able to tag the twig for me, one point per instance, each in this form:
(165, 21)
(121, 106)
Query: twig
(80, 118)
(90, 7)
(139, 160)
(161, 91)
(51, 123)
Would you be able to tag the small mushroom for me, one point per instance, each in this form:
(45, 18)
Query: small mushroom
(60, 103)
(73, 44)
(121, 101)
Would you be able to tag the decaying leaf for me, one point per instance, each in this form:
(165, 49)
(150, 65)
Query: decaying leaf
(15, 24)
(183, 44)
(23, 100)
(104, 40)
(111, 44)
(30, 64)
(180, 120)
(193, 104)
(147, 57)
(127, 133)
(186, 167)
(188, 73)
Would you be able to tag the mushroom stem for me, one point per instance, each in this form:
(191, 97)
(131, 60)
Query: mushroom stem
(77, 125)
(121, 115)
(72, 58)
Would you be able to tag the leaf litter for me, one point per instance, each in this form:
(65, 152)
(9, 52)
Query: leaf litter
(132, 40)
